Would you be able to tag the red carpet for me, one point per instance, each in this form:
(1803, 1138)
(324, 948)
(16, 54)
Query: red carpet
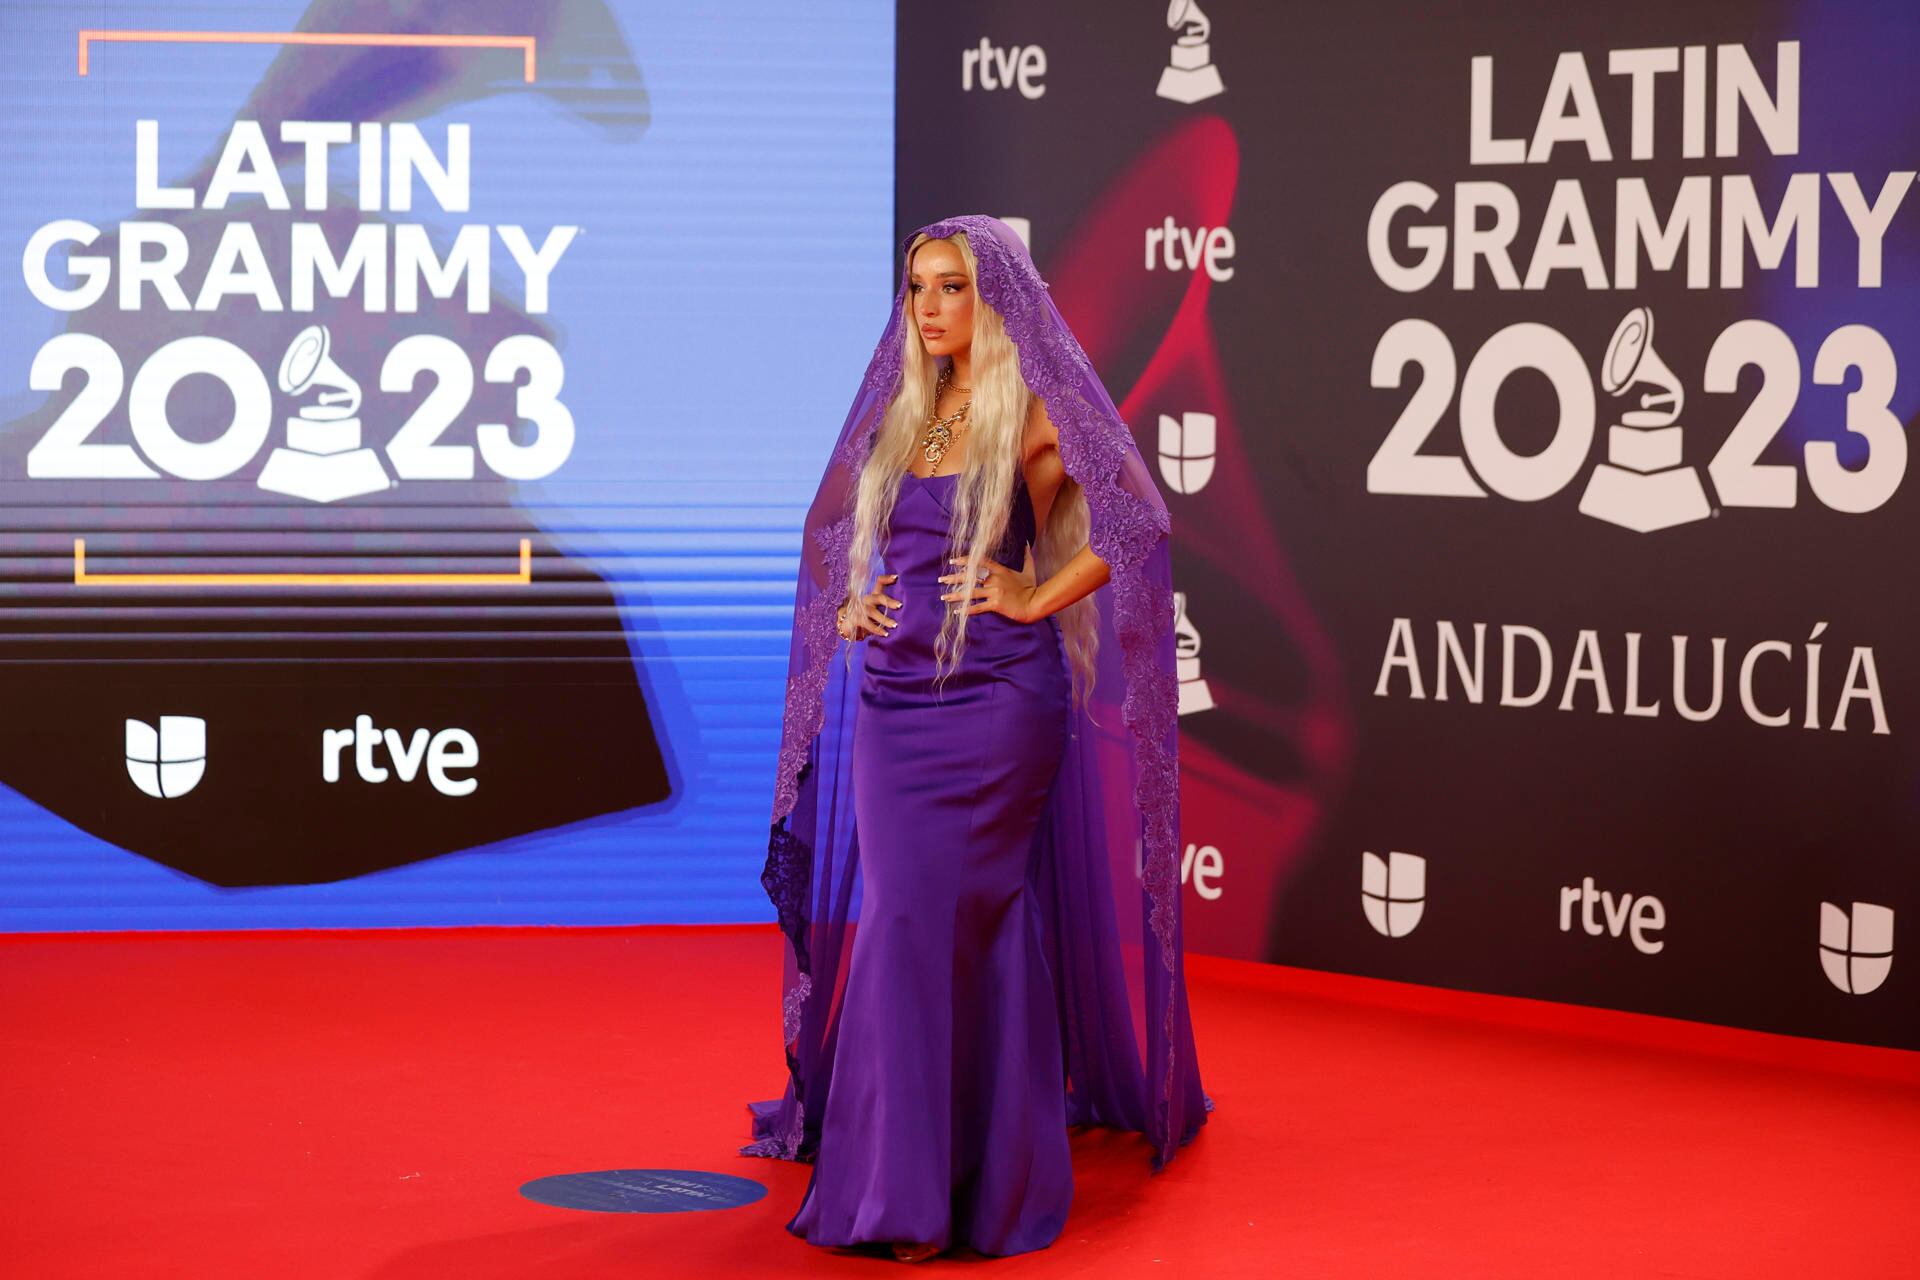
(366, 1104)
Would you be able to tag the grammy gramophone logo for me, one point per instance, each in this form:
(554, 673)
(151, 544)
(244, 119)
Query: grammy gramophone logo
(323, 460)
(1194, 693)
(1642, 485)
(1190, 75)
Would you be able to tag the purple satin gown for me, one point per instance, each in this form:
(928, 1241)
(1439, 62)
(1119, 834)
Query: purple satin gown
(947, 1117)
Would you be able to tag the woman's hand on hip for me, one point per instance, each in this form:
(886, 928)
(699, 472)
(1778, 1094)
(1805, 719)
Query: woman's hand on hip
(864, 618)
(1004, 591)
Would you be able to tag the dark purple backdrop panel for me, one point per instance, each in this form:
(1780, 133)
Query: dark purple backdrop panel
(1369, 455)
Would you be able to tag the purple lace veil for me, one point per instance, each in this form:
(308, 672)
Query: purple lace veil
(1108, 880)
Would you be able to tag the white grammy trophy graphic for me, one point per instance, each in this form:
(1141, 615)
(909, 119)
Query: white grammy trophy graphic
(1194, 694)
(1191, 75)
(322, 460)
(1642, 485)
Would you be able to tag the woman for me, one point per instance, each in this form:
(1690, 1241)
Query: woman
(983, 787)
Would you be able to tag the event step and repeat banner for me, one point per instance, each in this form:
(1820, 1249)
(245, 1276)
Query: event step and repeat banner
(1531, 388)
(378, 477)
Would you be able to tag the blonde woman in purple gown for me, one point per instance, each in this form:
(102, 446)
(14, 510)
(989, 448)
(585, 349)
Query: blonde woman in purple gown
(969, 823)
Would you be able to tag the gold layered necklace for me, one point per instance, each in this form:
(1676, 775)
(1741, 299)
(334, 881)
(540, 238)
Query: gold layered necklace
(940, 431)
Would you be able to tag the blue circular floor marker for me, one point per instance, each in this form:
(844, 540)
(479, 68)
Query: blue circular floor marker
(644, 1191)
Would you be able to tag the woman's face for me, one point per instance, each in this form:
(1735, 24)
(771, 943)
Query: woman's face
(941, 298)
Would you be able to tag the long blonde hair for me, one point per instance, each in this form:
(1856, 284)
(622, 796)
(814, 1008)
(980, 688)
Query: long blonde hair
(984, 490)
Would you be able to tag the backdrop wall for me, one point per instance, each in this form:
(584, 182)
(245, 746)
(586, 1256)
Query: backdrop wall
(305, 343)
(398, 521)
(1531, 388)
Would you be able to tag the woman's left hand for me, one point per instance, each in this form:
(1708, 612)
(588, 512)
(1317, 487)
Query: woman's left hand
(1004, 591)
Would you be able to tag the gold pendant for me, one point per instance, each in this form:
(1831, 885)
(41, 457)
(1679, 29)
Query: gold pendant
(939, 439)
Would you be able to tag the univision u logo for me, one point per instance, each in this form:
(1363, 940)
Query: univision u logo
(1393, 891)
(1187, 450)
(1856, 947)
(168, 760)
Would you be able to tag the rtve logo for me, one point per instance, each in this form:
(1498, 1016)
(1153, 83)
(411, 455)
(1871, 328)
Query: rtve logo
(1181, 249)
(1856, 948)
(447, 749)
(168, 761)
(1200, 867)
(1637, 916)
(1012, 67)
(1393, 892)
